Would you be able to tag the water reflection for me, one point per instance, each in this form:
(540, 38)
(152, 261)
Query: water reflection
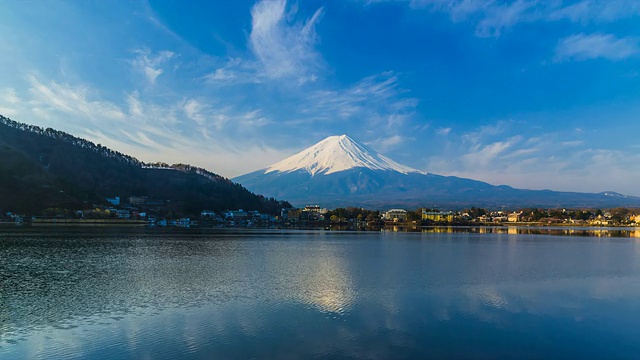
(325, 282)
(441, 293)
(518, 230)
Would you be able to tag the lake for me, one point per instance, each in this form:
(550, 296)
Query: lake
(113, 293)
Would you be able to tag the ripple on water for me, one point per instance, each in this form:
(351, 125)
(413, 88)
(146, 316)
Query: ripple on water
(304, 295)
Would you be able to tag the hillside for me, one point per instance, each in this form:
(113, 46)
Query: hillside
(45, 168)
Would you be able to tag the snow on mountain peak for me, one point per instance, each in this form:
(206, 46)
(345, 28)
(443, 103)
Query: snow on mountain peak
(335, 154)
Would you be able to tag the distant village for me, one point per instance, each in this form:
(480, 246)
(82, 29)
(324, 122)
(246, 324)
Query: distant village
(141, 210)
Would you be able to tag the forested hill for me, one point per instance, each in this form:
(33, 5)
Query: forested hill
(45, 168)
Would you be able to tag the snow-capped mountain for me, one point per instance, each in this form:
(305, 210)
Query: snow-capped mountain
(339, 172)
(335, 154)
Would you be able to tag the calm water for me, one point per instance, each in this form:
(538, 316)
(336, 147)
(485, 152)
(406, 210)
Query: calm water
(115, 293)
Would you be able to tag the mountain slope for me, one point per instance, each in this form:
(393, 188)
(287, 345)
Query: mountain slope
(340, 172)
(43, 168)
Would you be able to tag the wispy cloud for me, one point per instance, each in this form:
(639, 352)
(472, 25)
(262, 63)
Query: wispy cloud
(458, 9)
(596, 11)
(387, 143)
(72, 100)
(443, 131)
(500, 17)
(284, 48)
(9, 95)
(593, 46)
(375, 99)
(484, 132)
(492, 18)
(235, 71)
(150, 64)
(8, 101)
(195, 111)
(485, 154)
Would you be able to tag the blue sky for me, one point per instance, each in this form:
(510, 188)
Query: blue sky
(533, 94)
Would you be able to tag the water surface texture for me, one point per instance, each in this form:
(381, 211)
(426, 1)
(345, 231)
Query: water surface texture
(114, 294)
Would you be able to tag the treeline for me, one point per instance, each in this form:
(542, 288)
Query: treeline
(70, 139)
(619, 214)
(352, 213)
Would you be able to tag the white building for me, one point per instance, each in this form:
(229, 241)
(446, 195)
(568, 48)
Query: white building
(395, 215)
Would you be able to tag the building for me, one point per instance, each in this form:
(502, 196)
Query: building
(236, 214)
(437, 216)
(123, 214)
(313, 213)
(315, 209)
(499, 216)
(207, 213)
(514, 216)
(601, 221)
(395, 215)
(114, 201)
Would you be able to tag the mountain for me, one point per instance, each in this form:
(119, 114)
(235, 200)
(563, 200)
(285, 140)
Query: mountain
(335, 154)
(339, 171)
(45, 168)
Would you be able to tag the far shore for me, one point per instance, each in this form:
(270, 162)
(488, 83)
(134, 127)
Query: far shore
(100, 222)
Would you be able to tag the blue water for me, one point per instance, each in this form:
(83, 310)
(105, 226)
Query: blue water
(122, 293)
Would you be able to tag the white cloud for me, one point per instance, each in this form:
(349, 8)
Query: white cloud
(592, 46)
(443, 131)
(500, 17)
(7, 111)
(493, 17)
(236, 71)
(376, 99)
(8, 95)
(193, 109)
(572, 143)
(70, 100)
(485, 154)
(284, 49)
(9, 101)
(459, 10)
(485, 132)
(596, 11)
(221, 74)
(150, 64)
(384, 144)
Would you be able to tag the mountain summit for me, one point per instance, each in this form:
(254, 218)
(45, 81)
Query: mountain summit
(338, 171)
(335, 154)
